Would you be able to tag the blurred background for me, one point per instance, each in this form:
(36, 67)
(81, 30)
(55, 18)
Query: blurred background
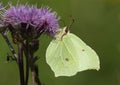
(97, 22)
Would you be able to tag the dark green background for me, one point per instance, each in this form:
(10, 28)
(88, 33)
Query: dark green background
(97, 22)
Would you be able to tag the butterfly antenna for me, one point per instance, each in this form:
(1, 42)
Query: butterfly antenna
(71, 23)
(68, 27)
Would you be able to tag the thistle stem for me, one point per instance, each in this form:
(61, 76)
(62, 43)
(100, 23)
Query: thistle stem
(9, 45)
(27, 71)
(18, 58)
(30, 56)
(35, 75)
(33, 78)
(30, 63)
(20, 63)
(26, 52)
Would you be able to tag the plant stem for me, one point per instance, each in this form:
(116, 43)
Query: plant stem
(26, 52)
(30, 63)
(9, 45)
(27, 71)
(20, 63)
(36, 74)
(33, 78)
(18, 58)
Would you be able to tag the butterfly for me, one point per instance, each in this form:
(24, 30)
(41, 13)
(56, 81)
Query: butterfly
(67, 54)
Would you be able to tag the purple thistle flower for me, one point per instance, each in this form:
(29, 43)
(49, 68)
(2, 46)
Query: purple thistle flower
(31, 21)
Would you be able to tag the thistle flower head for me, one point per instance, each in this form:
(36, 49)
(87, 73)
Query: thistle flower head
(31, 21)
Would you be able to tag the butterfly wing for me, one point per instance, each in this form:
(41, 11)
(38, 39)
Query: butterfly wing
(60, 60)
(70, 55)
(87, 57)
